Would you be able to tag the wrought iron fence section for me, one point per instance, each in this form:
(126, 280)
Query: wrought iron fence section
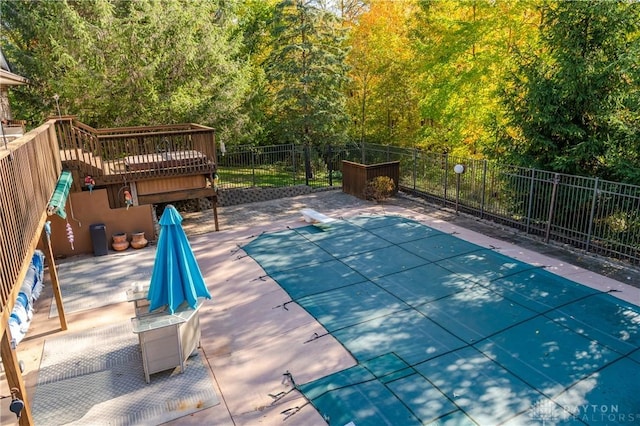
(506, 196)
(377, 153)
(572, 206)
(247, 166)
(615, 220)
(598, 216)
(424, 174)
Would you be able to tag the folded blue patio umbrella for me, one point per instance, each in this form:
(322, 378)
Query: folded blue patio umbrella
(176, 276)
(60, 193)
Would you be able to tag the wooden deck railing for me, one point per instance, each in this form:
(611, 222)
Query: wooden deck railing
(114, 155)
(31, 165)
(29, 170)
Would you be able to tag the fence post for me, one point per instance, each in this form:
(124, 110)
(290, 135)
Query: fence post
(530, 207)
(307, 164)
(415, 167)
(484, 188)
(592, 213)
(330, 164)
(294, 162)
(253, 167)
(556, 179)
(446, 174)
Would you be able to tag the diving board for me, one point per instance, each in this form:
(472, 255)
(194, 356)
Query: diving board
(312, 216)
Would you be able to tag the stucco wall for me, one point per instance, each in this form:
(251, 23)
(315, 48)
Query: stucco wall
(86, 208)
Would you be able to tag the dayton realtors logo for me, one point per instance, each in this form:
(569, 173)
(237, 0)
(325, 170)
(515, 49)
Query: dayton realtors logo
(547, 412)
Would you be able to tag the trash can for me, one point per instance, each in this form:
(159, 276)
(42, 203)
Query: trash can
(98, 233)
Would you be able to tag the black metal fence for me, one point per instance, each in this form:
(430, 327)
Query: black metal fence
(592, 214)
(282, 165)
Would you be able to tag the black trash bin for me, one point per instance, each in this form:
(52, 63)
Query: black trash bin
(98, 233)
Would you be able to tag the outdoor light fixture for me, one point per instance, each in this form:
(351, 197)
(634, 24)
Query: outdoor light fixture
(17, 405)
(459, 169)
(56, 97)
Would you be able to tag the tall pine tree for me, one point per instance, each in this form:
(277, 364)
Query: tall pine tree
(119, 63)
(573, 103)
(306, 74)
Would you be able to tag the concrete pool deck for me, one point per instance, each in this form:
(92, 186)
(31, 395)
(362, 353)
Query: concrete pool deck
(249, 340)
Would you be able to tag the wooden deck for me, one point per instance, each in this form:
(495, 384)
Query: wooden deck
(112, 156)
(178, 161)
(168, 162)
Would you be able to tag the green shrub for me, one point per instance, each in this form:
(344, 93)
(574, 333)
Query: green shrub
(379, 188)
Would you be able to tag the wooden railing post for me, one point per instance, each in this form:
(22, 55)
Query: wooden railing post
(14, 377)
(55, 284)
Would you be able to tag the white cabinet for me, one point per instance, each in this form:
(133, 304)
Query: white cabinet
(167, 340)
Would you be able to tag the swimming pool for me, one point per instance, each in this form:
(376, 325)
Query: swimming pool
(445, 331)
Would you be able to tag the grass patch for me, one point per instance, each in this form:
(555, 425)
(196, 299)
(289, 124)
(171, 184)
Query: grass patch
(269, 177)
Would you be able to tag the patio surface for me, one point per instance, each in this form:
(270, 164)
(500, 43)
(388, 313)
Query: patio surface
(252, 337)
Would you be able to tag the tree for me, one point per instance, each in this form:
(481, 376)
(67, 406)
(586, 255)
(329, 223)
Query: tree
(350, 10)
(43, 40)
(462, 47)
(118, 63)
(254, 19)
(573, 103)
(383, 100)
(306, 74)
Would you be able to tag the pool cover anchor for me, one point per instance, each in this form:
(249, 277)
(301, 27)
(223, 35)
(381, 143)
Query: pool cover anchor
(278, 396)
(283, 306)
(239, 247)
(287, 380)
(260, 278)
(293, 410)
(316, 336)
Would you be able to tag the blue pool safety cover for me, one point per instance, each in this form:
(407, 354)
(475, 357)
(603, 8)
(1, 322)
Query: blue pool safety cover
(446, 332)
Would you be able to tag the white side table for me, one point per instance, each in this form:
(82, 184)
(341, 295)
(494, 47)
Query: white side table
(167, 340)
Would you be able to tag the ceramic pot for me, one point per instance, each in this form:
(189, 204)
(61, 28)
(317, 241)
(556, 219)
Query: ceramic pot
(120, 242)
(138, 240)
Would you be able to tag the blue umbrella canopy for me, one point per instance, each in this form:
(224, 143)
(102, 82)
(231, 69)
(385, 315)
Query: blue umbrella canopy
(176, 276)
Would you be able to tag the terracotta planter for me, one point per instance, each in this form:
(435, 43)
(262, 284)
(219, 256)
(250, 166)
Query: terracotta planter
(120, 242)
(138, 240)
